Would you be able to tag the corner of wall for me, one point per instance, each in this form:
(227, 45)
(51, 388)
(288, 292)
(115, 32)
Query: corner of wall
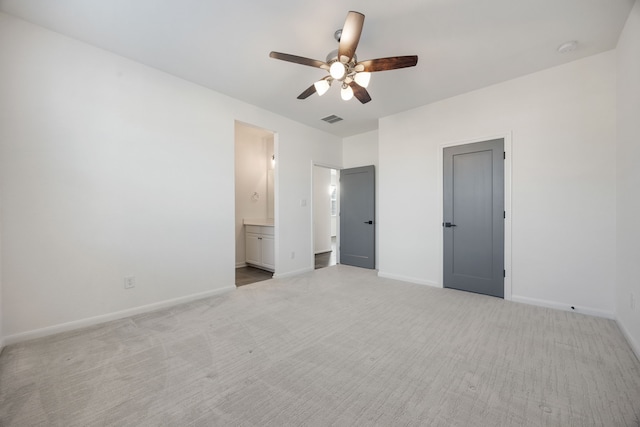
(627, 176)
(635, 346)
(1, 319)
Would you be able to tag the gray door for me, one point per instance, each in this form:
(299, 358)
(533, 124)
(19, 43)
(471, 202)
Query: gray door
(357, 217)
(474, 217)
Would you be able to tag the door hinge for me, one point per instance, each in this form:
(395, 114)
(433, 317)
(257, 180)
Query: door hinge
(504, 273)
(504, 214)
(504, 155)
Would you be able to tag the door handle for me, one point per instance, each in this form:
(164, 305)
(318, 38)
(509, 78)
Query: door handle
(449, 225)
(368, 222)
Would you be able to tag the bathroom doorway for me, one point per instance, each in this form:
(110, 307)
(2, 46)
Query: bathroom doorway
(325, 215)
(255, 164)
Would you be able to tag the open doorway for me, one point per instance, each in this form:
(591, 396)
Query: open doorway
(254, 203)
(325, 215)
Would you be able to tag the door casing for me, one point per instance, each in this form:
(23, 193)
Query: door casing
(315, 164)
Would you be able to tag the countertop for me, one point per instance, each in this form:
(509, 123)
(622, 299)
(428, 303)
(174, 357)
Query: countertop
(264, 222)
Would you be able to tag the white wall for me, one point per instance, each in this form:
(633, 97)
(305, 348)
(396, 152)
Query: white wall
(562, 126)
(109, 168)
(362, 150)
(628, 179)
(1, 332)
(321, 209)
(253, 148)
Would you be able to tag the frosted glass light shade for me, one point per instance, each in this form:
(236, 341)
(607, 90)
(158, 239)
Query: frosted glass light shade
(322, 86)
(337, 70)
(346, 93)
(363, 78)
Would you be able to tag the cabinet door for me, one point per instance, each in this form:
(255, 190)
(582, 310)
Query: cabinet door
(253, 249)
(268, 252)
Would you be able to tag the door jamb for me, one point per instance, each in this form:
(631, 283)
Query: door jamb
(507, 137)
(312, 248)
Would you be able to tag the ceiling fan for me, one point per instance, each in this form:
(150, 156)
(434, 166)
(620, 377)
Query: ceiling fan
(343, 66)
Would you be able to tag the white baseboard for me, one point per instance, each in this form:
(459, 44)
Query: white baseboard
(565, 307)
(292, 273)
(241, 264)
(635, 346)
(90, 321)
(408, 279)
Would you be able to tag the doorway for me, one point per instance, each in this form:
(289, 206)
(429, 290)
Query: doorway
(473, 217)
(254, 203)
(325, 214)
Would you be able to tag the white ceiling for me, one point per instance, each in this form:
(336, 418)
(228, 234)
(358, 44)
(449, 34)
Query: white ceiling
(224, 45)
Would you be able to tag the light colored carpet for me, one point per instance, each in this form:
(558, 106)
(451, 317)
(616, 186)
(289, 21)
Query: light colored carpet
(338, 346)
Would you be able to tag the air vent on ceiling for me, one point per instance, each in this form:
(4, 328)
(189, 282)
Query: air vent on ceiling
(332, 119)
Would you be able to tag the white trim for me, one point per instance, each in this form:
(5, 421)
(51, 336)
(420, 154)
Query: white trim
(507, 137)
(326, 165)
(293, 273)
(564, 307)
(408, 279)
(90, 321)
(312, 211)
(241, 264)
(276, 202)
(635, 346)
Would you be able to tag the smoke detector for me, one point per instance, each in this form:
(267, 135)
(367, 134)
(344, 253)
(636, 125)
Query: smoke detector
(567, 47)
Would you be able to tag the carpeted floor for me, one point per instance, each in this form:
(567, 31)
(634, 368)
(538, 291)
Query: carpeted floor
(338, 346)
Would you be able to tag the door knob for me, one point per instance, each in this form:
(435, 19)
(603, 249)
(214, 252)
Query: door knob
(368, 222)
(449, 225)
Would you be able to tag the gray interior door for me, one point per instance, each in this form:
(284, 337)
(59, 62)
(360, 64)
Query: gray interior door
(474, 217)
(357, 217)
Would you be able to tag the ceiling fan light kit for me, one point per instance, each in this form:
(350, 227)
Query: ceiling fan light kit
(346, 93)
(342, 64)
(363, 78)
(338, 70)
(322, 86)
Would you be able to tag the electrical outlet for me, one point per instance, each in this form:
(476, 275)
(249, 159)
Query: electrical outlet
(129, 282)
(632, 301)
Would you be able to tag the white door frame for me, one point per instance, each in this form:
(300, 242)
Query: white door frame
(313, 243)
(506, 136)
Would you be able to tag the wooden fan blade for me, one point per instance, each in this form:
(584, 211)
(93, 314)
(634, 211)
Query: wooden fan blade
(308, 92)
(299, 60)
(350, 36)
(391, 63)
(360, 92)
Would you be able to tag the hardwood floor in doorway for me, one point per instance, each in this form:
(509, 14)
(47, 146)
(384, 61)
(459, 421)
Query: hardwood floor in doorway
(327, 259)
(248, 275)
